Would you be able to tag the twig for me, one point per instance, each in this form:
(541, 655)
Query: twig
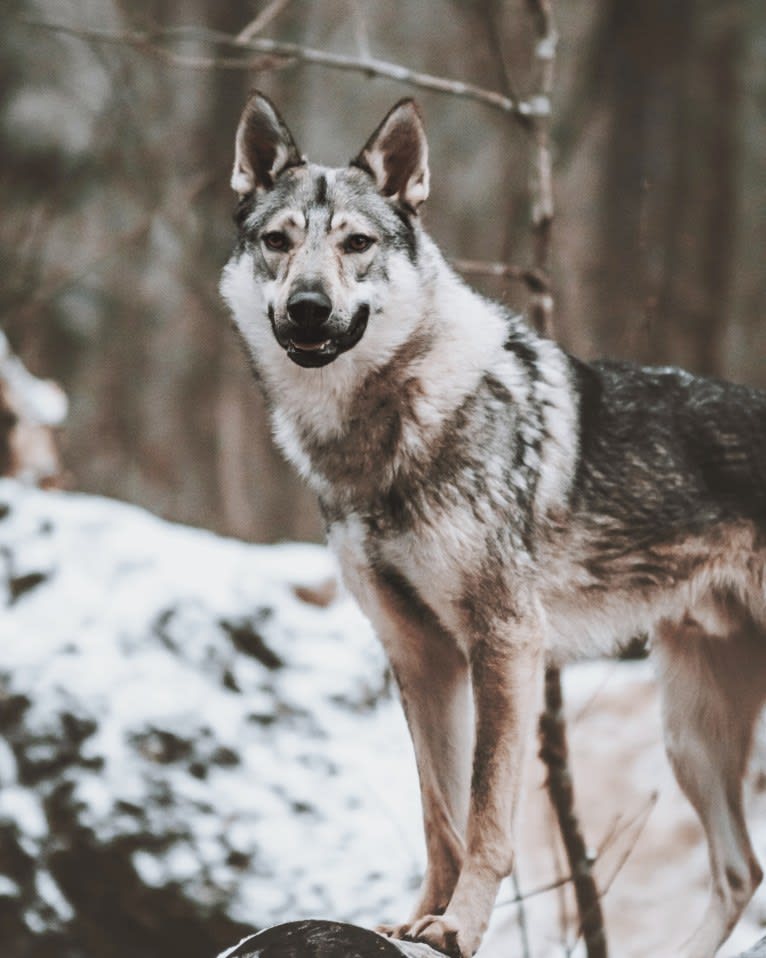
(619, 826)
(535, 280)
(616, 829)
(496, 48)
(554, 753)
(261, 21)
(643, 814)
(360, 28)
(257, 64)
(287, 54)
(521, 915)
(538, 890)
(561, 895)
(588, 705)
(642, 817)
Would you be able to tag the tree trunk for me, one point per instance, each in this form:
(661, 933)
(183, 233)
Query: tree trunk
(670, 182)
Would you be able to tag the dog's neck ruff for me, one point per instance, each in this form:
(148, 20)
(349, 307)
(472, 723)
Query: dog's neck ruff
(395, 418)
(376, 414)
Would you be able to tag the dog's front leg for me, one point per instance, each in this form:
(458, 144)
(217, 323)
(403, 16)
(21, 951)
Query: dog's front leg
(435, 687)
(505, 670)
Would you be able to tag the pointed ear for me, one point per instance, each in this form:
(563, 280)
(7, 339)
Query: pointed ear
(396, 156)
(264, 147)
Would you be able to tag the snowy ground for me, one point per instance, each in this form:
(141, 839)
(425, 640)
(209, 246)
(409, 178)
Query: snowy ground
(195, 710)
(653, 859)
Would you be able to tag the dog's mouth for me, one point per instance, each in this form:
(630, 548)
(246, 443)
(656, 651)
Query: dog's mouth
(312, 353)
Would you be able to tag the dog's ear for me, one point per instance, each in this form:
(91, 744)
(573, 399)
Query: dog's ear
(396, 156)
(264, 147)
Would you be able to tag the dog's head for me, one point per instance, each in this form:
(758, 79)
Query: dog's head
(319, 243)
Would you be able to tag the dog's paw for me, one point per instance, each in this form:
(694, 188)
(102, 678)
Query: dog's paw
(441, 932)
(393, 931)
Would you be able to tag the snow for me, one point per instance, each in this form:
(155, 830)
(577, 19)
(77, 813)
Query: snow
(39, 400)
(128, 637)
(247, 746)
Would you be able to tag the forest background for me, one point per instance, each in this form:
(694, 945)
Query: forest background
(117, 210)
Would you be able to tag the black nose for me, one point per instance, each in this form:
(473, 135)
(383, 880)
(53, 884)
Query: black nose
(308, 308)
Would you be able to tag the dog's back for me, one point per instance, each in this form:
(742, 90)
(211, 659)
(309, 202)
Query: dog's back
(670, 451)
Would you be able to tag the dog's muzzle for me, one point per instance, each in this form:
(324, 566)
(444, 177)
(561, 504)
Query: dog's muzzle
(310, 337)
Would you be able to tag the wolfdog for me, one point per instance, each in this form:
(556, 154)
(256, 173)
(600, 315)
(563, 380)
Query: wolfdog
(496, 503)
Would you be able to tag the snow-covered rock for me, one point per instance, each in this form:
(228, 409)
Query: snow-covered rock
(189, 750)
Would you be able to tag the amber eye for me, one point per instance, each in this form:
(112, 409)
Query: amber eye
(358, 243)
(276, 241)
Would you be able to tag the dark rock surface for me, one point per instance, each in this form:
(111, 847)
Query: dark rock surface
(325, 939)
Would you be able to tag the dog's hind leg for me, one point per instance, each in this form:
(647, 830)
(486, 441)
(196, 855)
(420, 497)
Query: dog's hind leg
(713, 681)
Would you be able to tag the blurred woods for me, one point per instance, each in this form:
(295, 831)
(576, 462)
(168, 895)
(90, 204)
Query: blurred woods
(116, 209)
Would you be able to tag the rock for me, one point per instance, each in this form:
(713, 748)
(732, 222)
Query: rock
(325, 939)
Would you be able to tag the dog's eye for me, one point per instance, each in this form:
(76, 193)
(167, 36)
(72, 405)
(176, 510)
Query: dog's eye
(358, 243)
(276, 241)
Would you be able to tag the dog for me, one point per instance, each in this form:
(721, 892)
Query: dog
(496, 504)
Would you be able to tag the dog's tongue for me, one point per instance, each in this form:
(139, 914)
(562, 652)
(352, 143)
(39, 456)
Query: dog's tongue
(309, 347)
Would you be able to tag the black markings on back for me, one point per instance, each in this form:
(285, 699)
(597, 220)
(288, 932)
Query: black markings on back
(517, 344)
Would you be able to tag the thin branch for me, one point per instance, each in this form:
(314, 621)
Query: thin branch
(261, 21)
(488, 13)
(561, 893)
(591, 701)
(536, 281)
(555, 753)
(538, 890)
(149, 41)
(361, 30)
(521, 915)
(260, 64)
(541, 185)
(615, 831)
(641, 817)
(620, 826)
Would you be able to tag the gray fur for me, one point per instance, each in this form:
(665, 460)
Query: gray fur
(494, 501)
